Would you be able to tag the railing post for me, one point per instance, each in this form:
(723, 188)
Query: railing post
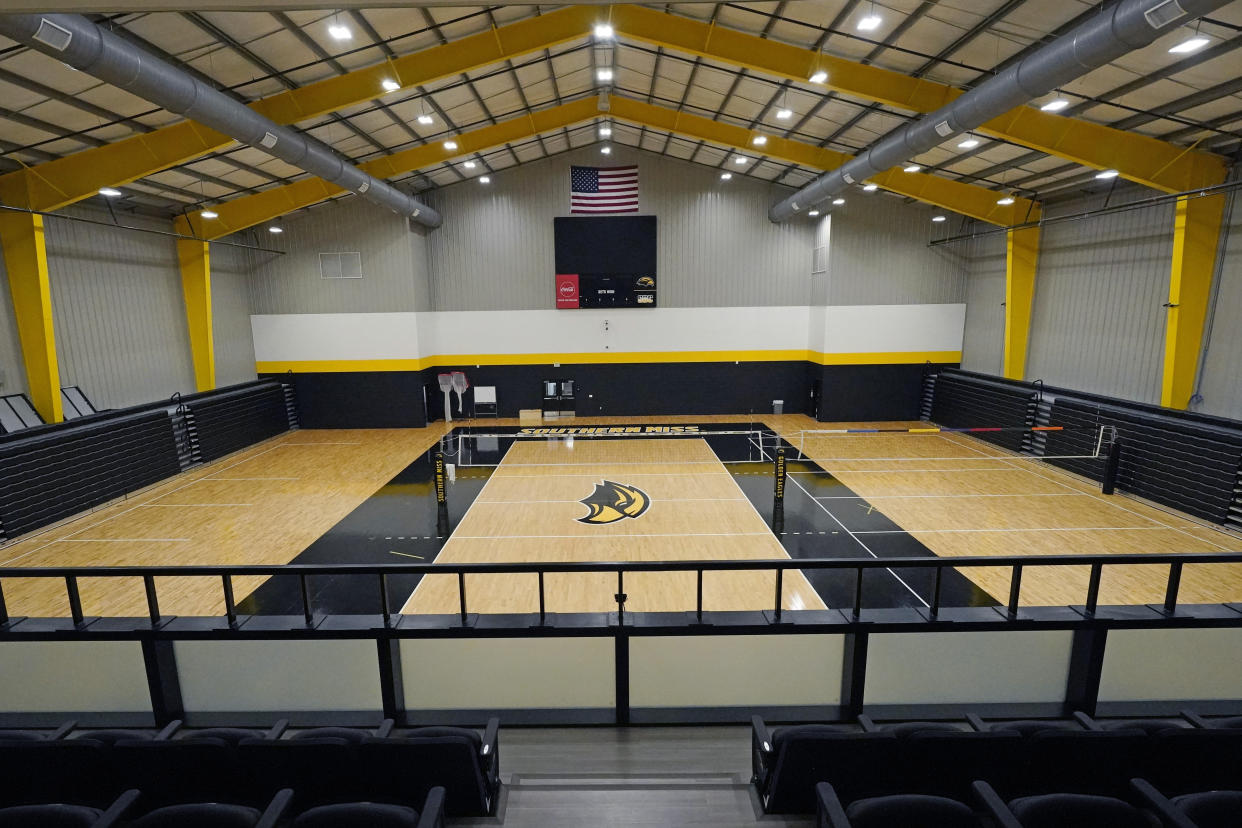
(230, 605)
(75, 599)
(780, 576)
(392, 688)
(935, 604)
(698, 602)
(1171, 589)
(853, 675)
(1015, 590)
(858, 593)
(163, 683)
(385, 610)
(4, 608)
(620, 596)
(1111, 467)
(153, 601)
(306, 602)
(1093, 588)
(461, 596)
(1086, 668)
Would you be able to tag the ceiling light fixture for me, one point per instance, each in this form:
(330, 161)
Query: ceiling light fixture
(606, 150)
(1055, 105)
(1192, 45)
(390, 85)
(784, 114)
(870, 188)
(725, 176)
(819, 77)
(739, 160)
(209, 214)
(450, 145)
(1107, 174)
(1005, 202)
(426, 119)
(813, 213)
(969, 143)
(838, 201)
(605, 131)
(603, 31)
(470, 165)
(338, 31)
(759, 140)
(109, 192)
(483, 179)
(604, 74)
(870, 23)
(938, 219)
(275, 229)
(912, 168)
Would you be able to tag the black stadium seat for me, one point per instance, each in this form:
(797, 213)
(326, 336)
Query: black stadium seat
(1204, 809)
(216, 815)
(353, 735)
(1064, 810)
(190, 770)
(461, 761)
(78, 772)
(944, 764)
(67, 816)
(376, 815)
(1088, 761)
(912, 810)
(323, 771)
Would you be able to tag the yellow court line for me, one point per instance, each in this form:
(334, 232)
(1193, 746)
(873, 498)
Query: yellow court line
(330, 366)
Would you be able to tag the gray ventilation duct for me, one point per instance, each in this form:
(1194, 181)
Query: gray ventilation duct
(1126, 26)
(81, 44)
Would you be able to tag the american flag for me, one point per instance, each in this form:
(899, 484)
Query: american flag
(603, 189)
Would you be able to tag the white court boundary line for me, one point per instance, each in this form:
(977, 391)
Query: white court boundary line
(595, 474)
(940, 496)
(837, 520)
(123, 540)
(626, 537)
(1039, 529)
(185, 505)
(661, 500)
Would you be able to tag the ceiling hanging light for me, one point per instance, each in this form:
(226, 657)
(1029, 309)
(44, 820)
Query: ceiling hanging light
(603, 31)
(606, 150)
(1005, 201)
(913, 168)
(969, 143)
(605, 131)
(813, 213)
(390, 85)
(819, 76)
(870, 188)
(109, 192)
(483, 179)
(838, 201)
(725, 176)
(1106, 174)
(470, 165)
(739, 160)
(275, 229)
(871, 21)
(337, 30)
(938, 219)
(450, 145)
(1055, 105)
(426, 119)
(603, 73)
(209, 214)
(759, 140)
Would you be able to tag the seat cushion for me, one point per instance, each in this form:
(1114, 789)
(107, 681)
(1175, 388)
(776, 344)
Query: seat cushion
(200, 815)
(1149, 726)
(910, 810)
(903, 729)
(48, 816)
(1212, 809)
(1028, 727)
(111, 737)
(1227, 722)
(229, 735)
(21, 736)
(441, 732)
(1079, 811)
(351, 814)
(784, 734)
(352, 735)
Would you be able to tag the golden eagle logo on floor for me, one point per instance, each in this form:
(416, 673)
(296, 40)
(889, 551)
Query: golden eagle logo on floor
(611, 502)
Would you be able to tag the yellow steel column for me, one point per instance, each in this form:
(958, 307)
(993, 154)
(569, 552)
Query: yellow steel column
(1196, 234)
(1021, 256)
(25, 258)
(195, 261)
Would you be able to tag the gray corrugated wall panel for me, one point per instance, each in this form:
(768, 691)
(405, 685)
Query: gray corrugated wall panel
(1221, 384)
(292, 283)
(1098, 321)
(118, 310)
(13, 380)
(984, 343)
(879, 255)
(715, 248)
(421, 266)
(230, 313)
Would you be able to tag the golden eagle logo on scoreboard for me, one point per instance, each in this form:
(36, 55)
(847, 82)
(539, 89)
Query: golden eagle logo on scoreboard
(611, 502)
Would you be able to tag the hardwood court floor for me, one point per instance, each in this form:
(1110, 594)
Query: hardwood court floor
(529, 511)
(961, 496)
(262, 505)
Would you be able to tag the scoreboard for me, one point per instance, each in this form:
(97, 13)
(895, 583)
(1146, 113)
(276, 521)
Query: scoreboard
(605, 262)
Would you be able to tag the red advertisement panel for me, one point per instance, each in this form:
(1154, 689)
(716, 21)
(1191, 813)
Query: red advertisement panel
(566, 290)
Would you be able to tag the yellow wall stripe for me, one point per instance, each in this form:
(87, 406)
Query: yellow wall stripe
(330, 366)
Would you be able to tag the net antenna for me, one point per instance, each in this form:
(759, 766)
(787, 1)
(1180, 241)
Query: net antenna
(460, 384)
(446, 385)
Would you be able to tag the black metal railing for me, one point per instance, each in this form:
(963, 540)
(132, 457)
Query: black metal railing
(1017, 564)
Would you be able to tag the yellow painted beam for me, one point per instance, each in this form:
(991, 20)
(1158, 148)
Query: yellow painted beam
(1196, 236)
(248, 211)
(966, 199)
(1021, 257)
(1140, 158)
(64, 181)
(195, 259)
(25, 258)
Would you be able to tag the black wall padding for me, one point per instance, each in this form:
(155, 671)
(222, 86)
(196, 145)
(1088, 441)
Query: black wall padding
(1190, 466)
(59, 473)
(235, 419)
(971, 402)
